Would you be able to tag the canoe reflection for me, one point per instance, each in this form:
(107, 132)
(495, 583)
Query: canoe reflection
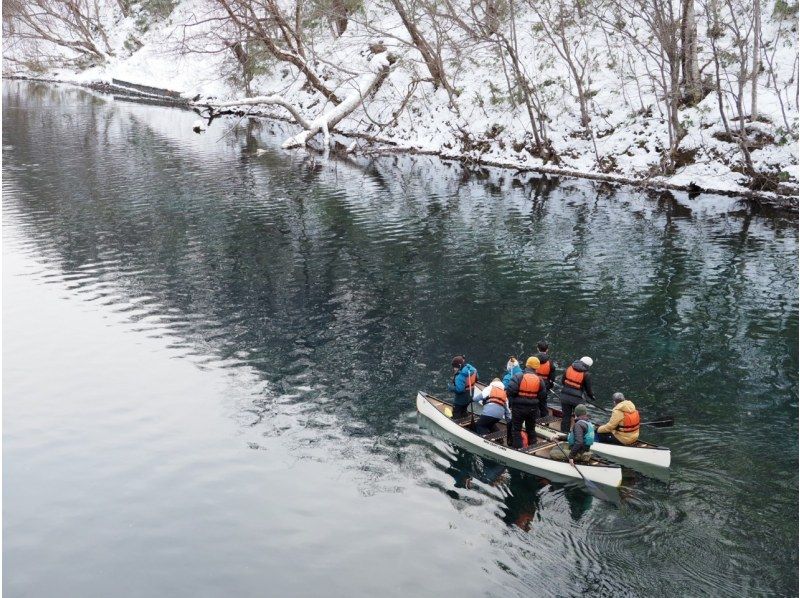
(519, 492)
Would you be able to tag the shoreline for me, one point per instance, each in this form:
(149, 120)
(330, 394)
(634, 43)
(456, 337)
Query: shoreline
(383, 146)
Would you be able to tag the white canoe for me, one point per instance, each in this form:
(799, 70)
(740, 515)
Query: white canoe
(534, 460)
(640, 453)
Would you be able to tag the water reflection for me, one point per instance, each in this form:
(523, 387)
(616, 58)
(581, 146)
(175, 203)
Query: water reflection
(343, 286)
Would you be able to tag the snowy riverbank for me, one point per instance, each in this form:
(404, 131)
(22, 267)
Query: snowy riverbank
(626, 141)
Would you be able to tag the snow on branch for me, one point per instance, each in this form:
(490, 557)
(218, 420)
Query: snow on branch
(368, 83)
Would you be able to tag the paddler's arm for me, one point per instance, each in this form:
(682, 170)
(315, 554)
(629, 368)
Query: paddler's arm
(542, 396)
(613, 422)
(481, 395)
(587, 387)
(577, 431)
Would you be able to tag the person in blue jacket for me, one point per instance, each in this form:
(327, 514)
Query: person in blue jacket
(464, 378)
(512, 369)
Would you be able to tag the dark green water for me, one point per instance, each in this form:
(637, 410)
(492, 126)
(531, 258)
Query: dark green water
(211, 357)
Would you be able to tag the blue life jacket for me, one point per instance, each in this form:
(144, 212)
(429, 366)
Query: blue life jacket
(588, 435)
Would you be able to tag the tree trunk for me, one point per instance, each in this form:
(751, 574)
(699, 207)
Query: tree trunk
(756, 50)
(431, 59)
(689, 62)
(339, 16)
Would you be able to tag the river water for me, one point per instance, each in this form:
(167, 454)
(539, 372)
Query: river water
(211, 355)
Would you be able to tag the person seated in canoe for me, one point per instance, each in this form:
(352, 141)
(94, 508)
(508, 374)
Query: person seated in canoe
(546, 369)
(623, 425)
(575, 382)
(495, 407)
(512, 369)
(580, 439)
(526, 391)
(464, 378)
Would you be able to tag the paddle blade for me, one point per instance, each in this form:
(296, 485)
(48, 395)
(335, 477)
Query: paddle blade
(663, 422)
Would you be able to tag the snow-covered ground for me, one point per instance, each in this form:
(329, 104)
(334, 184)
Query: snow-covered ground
(628, 123)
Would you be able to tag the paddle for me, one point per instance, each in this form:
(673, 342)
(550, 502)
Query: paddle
(662, 421)
(589, 484)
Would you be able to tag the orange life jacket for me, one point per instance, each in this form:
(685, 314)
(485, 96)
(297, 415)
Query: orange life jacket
(497, 396)
(471, 380)
(529, 386)
(573, 378)
(544, 369)
(630, 422)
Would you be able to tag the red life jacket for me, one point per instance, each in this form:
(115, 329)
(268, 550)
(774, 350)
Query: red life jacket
(497, 396)
(573, 378)
(630, 422)
(529, 386)
(544, 369)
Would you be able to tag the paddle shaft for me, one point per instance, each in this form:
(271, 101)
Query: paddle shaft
(666, 421)
(563, 452)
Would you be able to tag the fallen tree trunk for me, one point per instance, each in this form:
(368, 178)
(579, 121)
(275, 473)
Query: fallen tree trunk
(380, 66)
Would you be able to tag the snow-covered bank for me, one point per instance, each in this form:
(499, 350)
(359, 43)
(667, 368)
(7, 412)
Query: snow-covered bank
(626, 141)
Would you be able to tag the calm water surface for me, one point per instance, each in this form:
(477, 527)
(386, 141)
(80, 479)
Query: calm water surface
(211, 356)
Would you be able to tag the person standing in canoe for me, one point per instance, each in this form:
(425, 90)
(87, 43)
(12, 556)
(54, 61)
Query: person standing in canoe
(546, 371)
(575, 382)
(512, 369)
(526, 391)
(623, 425)
(464, 378)
(495, 407)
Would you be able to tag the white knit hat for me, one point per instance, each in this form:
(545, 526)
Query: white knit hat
(587, 360)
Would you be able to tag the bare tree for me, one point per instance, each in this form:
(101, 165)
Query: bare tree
(75, 25)
(433, 59)
(658, 19)
(495, 25)
(280, 32)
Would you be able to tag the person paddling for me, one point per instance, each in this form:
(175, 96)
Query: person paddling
(527, 391)
(464, 378)
(546, 371)
(623, 425)
(575, 382)
(495, 407)
(580, 438)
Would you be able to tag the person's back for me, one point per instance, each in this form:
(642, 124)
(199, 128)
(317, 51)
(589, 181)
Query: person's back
(525, 388)
(525, 391)
(623, 424)
(464, 378)
(495, 407)
(546, 369)
(575, 382)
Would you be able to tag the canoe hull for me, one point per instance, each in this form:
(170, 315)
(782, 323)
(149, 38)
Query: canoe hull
(558, 471)
(649, 455)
